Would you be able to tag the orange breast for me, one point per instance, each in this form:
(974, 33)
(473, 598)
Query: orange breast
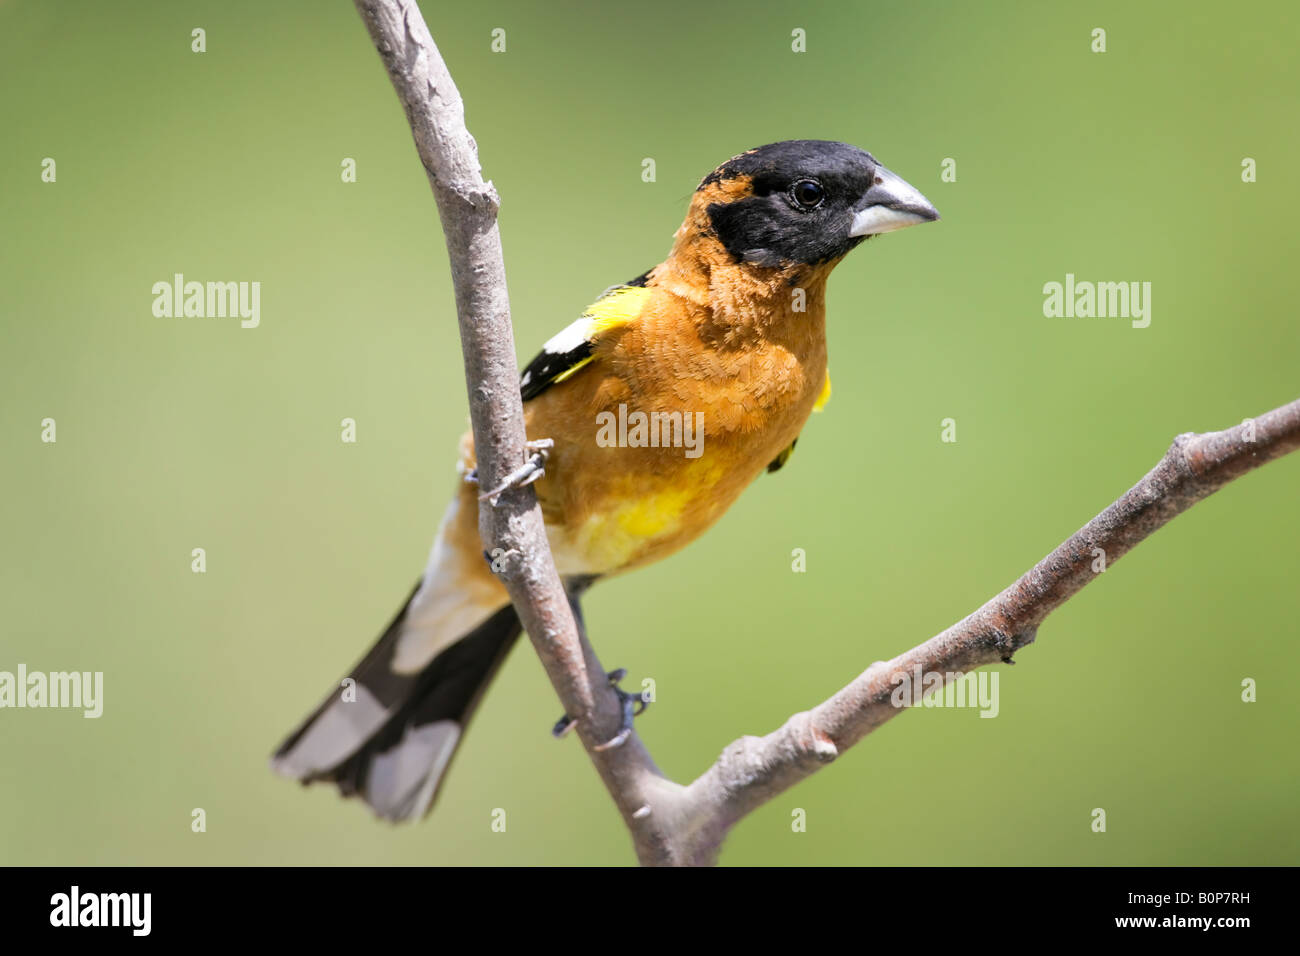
(663, 431)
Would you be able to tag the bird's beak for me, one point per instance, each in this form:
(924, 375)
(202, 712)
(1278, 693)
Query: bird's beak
(891, 203)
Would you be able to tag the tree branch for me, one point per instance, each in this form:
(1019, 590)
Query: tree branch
(671, 824)
(752, 770)
(468, 207)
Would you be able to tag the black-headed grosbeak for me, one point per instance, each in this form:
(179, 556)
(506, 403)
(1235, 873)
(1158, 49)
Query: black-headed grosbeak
(727, 333)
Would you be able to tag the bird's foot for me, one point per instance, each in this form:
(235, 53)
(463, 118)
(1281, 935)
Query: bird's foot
(633, 705)
(524, 475)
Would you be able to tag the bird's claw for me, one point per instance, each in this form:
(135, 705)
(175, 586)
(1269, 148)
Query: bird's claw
(633, 705)
(524, 475)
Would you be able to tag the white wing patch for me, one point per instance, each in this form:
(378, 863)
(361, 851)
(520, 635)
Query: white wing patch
(572, 348)
(571, 337)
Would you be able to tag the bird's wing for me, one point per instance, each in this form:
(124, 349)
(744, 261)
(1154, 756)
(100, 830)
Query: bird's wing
(570, 350)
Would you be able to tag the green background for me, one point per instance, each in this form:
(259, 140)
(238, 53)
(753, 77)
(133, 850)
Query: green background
(183, 433)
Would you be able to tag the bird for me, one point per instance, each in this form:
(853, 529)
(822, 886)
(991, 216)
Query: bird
(648, 416)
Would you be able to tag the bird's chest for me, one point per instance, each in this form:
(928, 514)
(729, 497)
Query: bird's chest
(758, 389)
(676, 437)
(764, 397)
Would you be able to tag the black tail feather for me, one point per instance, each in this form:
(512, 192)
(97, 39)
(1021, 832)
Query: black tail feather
(392, 742)
(449, 688)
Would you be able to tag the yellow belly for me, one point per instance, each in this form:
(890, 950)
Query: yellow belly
(640, 518)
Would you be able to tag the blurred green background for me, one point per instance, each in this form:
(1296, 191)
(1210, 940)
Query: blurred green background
(182, 433)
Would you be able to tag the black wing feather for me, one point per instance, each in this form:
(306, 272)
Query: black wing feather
(541, 373)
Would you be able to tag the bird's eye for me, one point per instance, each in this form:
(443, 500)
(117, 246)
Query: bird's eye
(807, 194)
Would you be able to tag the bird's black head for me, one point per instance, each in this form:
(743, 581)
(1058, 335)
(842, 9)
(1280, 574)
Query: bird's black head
(806, 202)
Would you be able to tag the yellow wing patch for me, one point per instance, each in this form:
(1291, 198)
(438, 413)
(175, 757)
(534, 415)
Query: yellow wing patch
(825, 396)
(616, 308)
(572, 349)
(572, 369)
(609, 312)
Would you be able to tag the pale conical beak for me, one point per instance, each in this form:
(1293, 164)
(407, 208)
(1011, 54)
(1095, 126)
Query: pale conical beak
(891, 203)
